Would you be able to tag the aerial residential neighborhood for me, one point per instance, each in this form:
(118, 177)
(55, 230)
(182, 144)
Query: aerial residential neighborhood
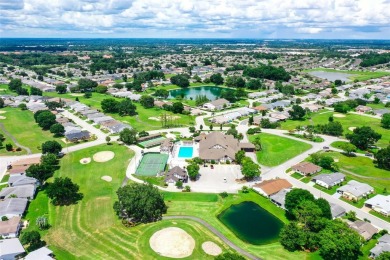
(212, 139)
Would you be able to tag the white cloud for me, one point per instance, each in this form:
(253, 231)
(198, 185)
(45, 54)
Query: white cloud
(199, 18)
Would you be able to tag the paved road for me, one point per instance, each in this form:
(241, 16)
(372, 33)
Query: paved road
(14, 139)
(217, 233)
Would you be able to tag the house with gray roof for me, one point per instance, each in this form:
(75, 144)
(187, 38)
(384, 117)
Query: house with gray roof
(24, 191)
(355, 190)
(382, 246)
(217, 104)
(75, 136)
(336, 210)
(176, 174)
(10, 249)
(99, 120)
(20, 180)
(42, 253)
(381, 112)
(279, 198)
(380, 203)
(329, 180)
(13, 207)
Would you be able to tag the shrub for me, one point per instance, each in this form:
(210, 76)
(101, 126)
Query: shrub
(42, 222)
(9, 147)
(223, 194)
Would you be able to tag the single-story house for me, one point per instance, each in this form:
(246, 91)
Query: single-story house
(10, 228)
(17, 170)
(270, 187)
(306, 168)
(260, 108)
(355, 190)
(365, 229)
(247, 147)
(218, 147)
(217, 104)
(21, 179)
(100, 120)
(176, 174)
(329, 180)
(75, 136)
(94, 115)
(114, 126)
(279, 116)
(381, 112)
(382, 246)
(336, 210)
(24, 192)
(27, 162)
(380, 203)
(279, 198)
(12, 207)
(42, 253)
(10, 249)
(363, 109)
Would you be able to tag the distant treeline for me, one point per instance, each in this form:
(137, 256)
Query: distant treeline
(372, 59)
(30, 59)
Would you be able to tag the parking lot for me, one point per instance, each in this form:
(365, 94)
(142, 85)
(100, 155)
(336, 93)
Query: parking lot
(221, 178)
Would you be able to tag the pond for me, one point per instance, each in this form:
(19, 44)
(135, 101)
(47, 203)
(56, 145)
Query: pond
(251, 223)
(211, 92)
(331, 76)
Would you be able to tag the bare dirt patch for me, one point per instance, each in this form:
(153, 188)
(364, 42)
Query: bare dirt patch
(104, 156)
(159, 119)
(85, 160)
(351, 128)
(2, 117)
(211, 248)
(338, 115)
(172, 242)
(106, 178)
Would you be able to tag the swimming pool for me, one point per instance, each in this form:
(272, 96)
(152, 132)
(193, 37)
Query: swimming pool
(186, 151)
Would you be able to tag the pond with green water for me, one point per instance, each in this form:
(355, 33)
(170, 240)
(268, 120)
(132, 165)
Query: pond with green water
(211, 92)
(251, 223)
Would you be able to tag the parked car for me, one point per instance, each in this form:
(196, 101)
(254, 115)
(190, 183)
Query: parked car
(369, 155)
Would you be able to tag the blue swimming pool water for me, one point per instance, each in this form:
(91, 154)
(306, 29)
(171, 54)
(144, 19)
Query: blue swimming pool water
(186, 152)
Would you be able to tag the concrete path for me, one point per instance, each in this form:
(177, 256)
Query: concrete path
(14, 139)
(217, 233)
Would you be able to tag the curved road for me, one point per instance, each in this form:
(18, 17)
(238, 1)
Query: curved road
(217, 233)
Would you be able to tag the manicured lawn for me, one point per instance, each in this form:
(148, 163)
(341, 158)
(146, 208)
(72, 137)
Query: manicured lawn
(379, 215)
(276, 149)
(359, 75)
(22, 126)
(329, 191)
(338, 144)
(296, 176)
(350, 120)
(210, 210)
(91, 230)
(146, 119)
(159, 181)
(362, 166)
(359, 204)
(367, 247)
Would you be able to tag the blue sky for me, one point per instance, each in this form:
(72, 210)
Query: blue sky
(318, 19)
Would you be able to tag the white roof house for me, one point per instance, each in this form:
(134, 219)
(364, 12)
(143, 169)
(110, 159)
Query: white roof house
(355, 190)
(10, 248)
(12, 207)
(42, 253)
(380, 203)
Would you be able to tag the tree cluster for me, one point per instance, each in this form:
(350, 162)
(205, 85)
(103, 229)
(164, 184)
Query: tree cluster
(383, 158)
(200, 100)
(181, 80)
(140, 203)
(363, 137)
(297, 112)
(63, 192)
(123, 108)
(267, 72)
(312, 228)
(128, 136)
(15, 85)
(45, 119)
(45, 169)
(332, 128)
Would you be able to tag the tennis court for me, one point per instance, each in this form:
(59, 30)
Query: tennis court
(151, 164)
(152, 142)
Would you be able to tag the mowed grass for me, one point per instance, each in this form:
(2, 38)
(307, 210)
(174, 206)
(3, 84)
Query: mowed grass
(358, 75)
(277, 149)
(146, 119)
(350, 120)
(364, 167)
(21, 124)
(180, 204)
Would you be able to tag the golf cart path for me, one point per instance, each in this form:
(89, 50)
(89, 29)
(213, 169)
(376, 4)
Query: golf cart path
(217, 233)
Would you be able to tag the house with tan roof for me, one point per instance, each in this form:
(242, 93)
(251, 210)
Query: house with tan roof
(271, 187)
(365, 229)
(176, 174)
(219, 147)
(306, 168)
(10, 228)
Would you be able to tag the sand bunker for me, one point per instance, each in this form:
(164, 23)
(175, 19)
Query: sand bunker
(104, 156)
(2, 117)
(77, 94)
(211, 248)
(2, 112)
(85, 160)
(106, 178)
(351, 128)
(338, 115)
(172, 242)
